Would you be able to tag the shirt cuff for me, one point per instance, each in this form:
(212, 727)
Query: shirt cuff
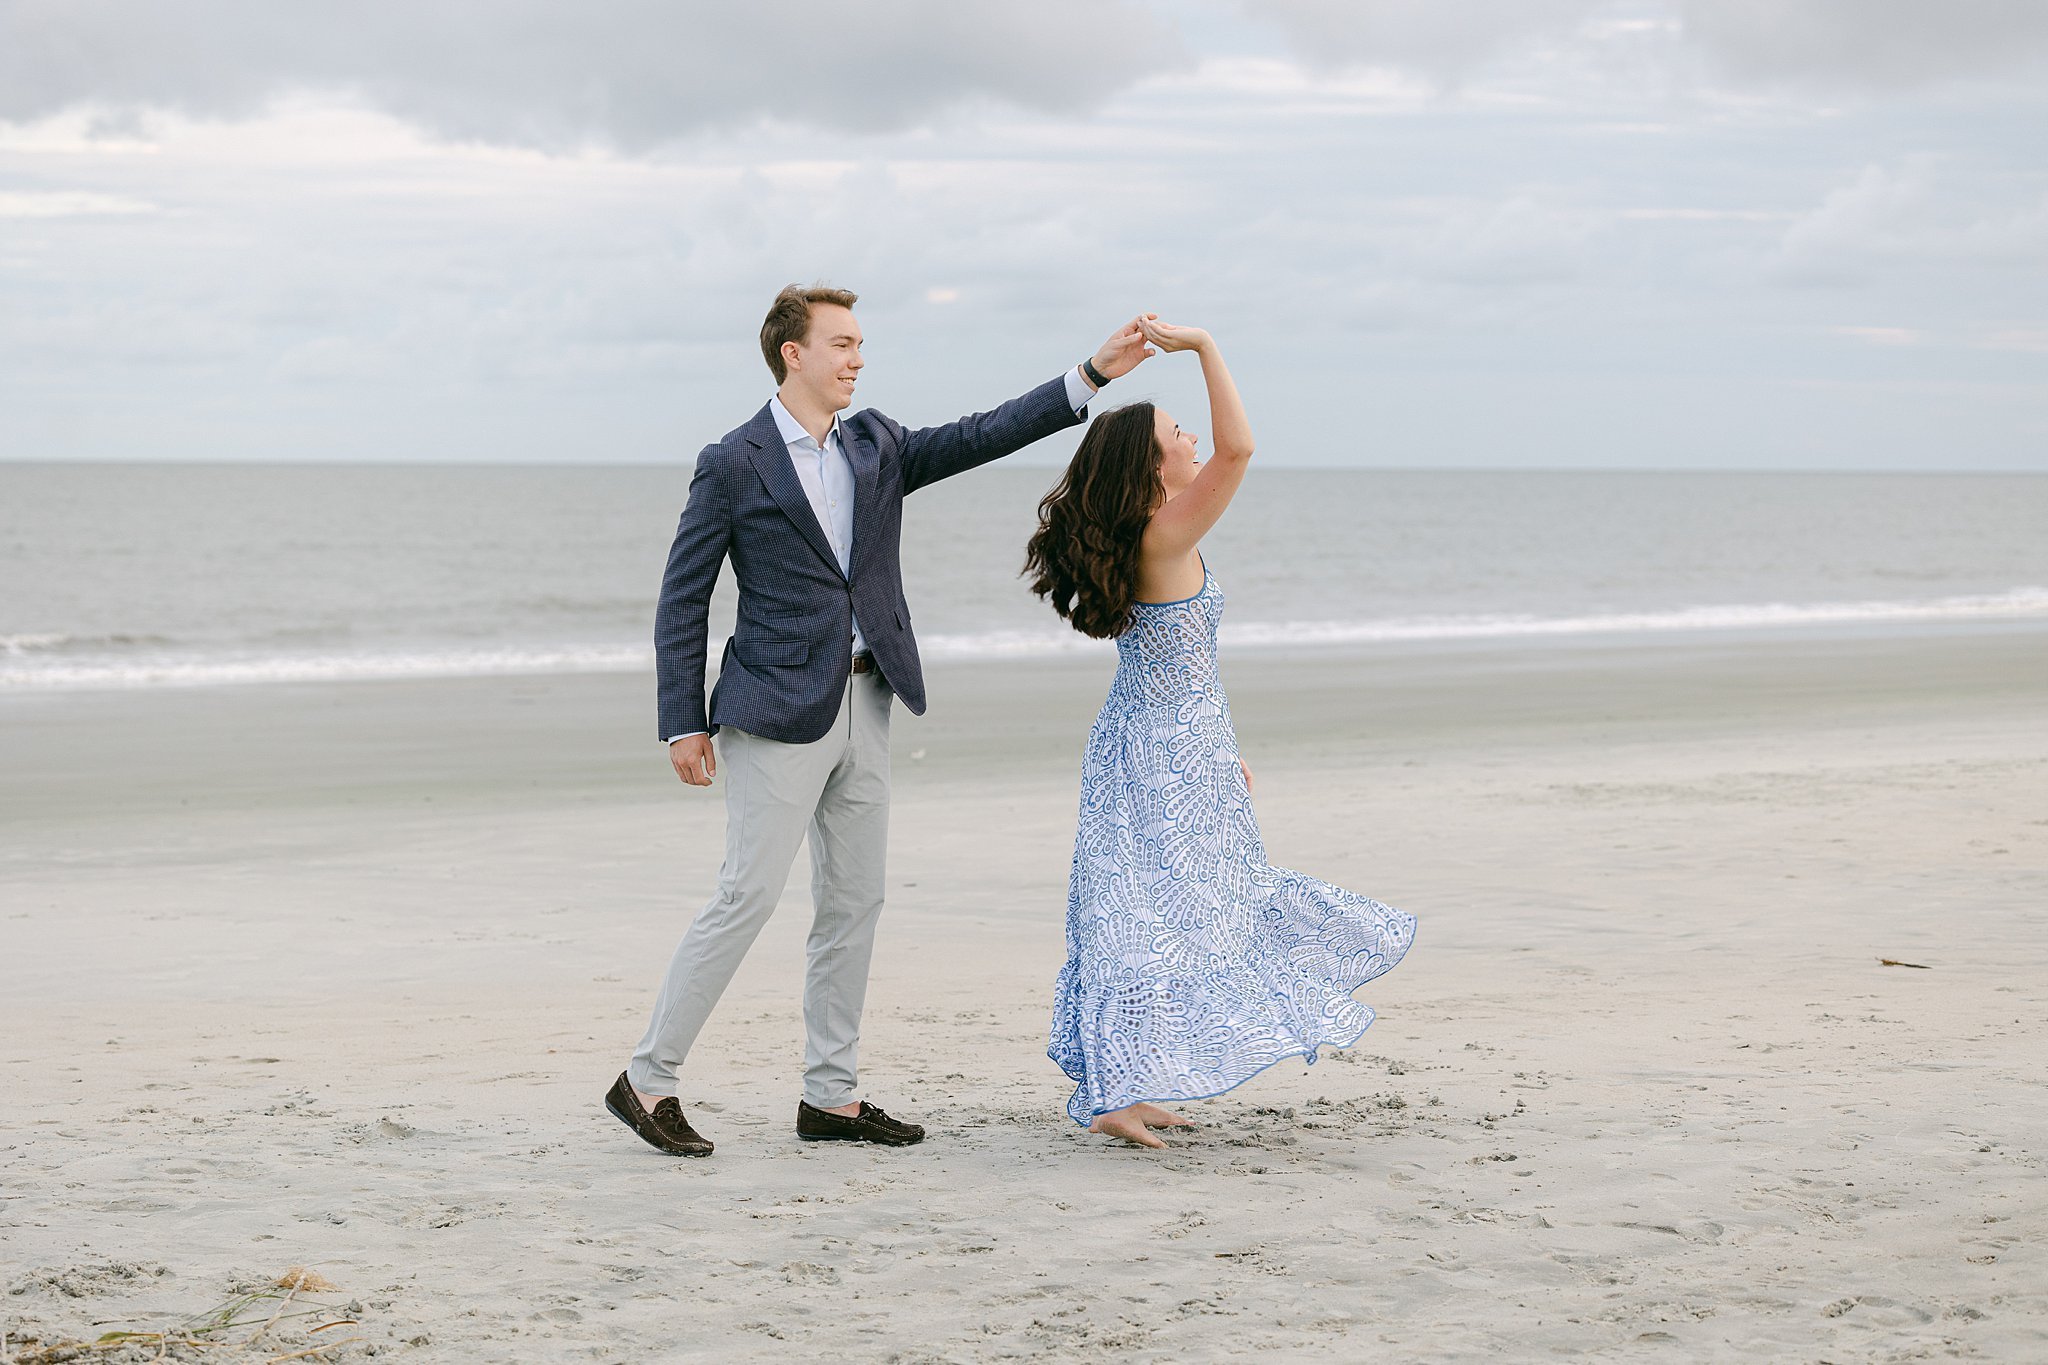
(673, 738)
(1078, 392)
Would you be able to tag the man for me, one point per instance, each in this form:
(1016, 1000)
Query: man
(809, 509)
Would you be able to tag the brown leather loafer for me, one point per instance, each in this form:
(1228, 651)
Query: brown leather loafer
(665, 1129)
(870, 1125)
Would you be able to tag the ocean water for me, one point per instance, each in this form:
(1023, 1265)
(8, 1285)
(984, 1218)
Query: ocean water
(163, 575)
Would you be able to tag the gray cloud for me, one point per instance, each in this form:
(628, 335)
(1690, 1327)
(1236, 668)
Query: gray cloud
(1888, 215)
(1867, 45)
(635, 74)
(640, 75)
(1425, 35)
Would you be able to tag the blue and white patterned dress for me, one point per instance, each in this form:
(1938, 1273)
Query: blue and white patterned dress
(1192, 964)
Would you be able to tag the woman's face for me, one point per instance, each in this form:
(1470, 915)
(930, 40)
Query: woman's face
(1177, 463)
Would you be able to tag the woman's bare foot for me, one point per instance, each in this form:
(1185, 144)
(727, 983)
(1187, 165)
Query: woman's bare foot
(1125, 1124)
(1152, 1116)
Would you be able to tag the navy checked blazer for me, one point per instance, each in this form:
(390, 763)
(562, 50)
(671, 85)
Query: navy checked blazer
(785, 667)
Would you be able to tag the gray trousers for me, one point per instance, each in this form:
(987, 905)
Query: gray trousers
(836, 789)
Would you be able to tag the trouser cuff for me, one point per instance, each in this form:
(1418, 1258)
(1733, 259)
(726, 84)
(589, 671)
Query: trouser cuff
(642, 1078)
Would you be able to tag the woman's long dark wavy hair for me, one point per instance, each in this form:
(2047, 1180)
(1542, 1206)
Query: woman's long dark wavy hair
(1084, 556)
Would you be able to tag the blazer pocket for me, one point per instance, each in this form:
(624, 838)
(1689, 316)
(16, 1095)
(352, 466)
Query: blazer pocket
(773, 653)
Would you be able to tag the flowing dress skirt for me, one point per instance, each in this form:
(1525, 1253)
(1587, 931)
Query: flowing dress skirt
(1192, 963)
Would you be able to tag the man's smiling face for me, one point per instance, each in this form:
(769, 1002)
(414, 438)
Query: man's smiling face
(827, 362)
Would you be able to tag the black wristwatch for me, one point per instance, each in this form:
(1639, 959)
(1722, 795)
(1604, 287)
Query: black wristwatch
(1094, 376)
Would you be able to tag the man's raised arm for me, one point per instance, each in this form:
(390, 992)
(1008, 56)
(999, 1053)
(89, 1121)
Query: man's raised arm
(932, 453)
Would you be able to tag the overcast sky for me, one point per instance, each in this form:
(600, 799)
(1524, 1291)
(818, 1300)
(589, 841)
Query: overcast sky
(1429, 233)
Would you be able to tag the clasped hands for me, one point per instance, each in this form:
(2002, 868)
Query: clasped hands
(1144, 336)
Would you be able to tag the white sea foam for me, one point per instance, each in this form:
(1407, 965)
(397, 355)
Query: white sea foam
(199, 671)
(31, 642)
(2015, 604)
(22, 670)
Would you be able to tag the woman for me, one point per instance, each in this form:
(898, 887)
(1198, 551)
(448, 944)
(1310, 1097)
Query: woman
(1192, 965)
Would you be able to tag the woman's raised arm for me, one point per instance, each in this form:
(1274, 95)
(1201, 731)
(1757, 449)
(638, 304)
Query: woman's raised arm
(1179, 526)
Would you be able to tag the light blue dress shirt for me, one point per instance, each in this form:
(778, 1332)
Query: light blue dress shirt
(827, 476)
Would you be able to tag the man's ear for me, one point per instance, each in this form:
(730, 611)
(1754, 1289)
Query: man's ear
(790, 353)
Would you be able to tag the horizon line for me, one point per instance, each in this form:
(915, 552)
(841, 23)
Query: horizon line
(1290, 467)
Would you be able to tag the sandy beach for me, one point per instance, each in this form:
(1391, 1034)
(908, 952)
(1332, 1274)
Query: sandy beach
(335, 976)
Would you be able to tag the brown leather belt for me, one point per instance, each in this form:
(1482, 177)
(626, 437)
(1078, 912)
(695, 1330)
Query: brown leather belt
(863, 663)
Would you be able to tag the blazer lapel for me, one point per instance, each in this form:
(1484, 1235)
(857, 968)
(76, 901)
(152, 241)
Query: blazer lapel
(771, 461)
(866, 462)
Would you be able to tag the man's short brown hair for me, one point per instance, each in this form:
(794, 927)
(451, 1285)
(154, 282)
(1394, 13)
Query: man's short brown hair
(789, 319)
